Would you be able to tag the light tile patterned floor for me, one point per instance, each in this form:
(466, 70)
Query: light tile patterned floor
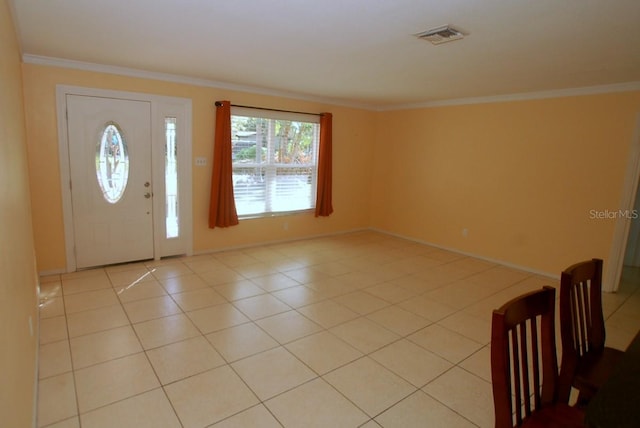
(355, 330)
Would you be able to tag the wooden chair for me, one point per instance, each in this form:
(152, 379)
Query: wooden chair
(524, 368)
(586, 362)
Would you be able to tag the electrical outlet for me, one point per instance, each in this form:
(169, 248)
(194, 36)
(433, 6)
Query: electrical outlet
(200, 161)
(465, 232)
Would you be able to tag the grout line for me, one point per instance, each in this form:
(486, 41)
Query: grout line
(317, 246)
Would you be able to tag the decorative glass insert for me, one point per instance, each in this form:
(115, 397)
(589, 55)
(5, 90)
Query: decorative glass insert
(112, 163)
(171, 178)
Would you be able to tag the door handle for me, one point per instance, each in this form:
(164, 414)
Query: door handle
(147, 195)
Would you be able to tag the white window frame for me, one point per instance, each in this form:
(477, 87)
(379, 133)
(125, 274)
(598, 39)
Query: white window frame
(271, 167)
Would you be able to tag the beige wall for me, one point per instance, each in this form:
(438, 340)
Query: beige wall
(352, 140)
(521, 177)
(18, 280)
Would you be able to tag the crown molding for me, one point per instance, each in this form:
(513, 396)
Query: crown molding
(557, 93)
(175, 78)
(131, 72)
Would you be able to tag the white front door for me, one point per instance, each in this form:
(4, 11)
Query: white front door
(111, 181)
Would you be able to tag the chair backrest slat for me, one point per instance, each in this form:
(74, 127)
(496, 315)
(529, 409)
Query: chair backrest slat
(516, 373)
(536, 363)
(526, 349)
(581, 302)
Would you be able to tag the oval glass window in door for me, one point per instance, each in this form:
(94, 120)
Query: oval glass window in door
(112, 163)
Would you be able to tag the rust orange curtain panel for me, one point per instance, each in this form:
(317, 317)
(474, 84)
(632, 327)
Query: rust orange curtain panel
(222, 206)
(324, 206)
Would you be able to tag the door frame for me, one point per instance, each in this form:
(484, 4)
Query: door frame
(161, 107)
(613, 273)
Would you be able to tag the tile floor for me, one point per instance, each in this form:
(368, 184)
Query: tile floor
(356, 330)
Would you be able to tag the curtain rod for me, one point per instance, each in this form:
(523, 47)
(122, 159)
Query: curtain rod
(219, 103)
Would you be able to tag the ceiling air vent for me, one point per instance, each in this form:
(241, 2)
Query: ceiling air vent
(440, 35)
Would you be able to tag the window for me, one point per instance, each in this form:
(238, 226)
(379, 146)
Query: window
(274, 161)
(172, 223)
(112, 163)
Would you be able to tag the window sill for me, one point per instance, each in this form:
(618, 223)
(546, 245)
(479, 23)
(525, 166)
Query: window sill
(276, 214)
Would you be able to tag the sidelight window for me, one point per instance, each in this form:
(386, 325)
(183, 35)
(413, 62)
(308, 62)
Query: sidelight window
(171, 179)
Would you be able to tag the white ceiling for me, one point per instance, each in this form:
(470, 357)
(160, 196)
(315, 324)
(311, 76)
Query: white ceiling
(357, 52)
